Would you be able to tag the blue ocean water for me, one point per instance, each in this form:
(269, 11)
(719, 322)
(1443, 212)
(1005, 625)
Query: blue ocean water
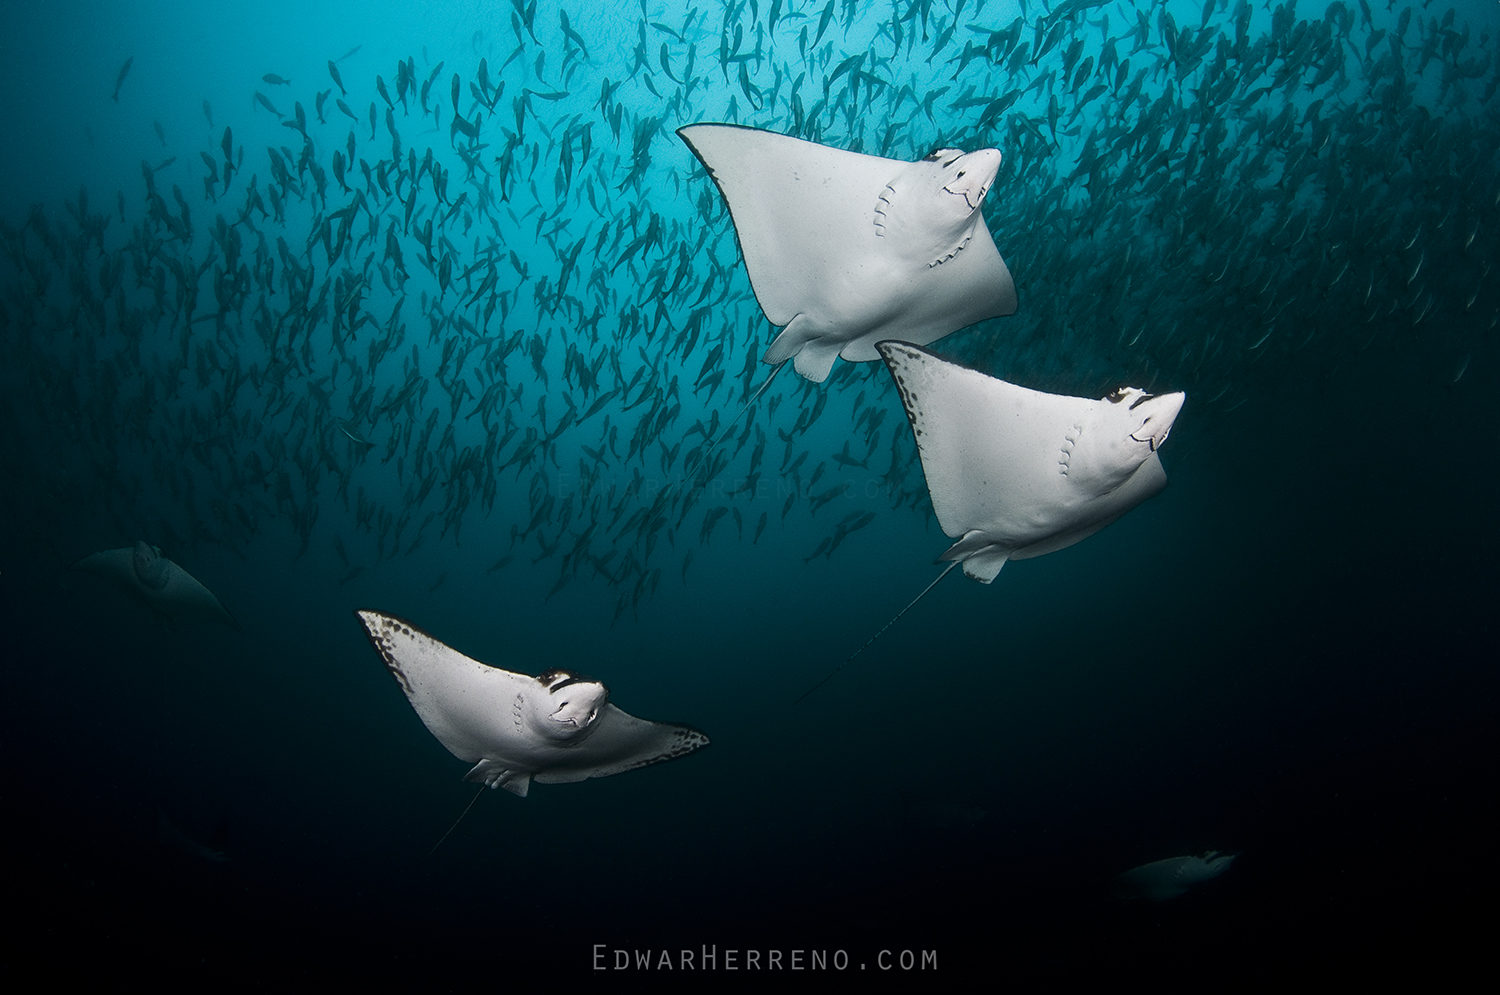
(1288, 211)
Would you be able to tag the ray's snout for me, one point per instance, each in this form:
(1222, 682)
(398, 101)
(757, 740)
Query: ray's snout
(1158, 412)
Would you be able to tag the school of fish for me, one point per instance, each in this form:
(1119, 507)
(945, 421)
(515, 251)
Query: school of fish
(448, 303)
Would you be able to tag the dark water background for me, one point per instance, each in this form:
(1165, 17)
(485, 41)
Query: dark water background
(1287, 655)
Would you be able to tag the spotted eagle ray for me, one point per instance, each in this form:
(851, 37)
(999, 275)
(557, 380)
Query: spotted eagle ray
(1015, 473)
(515, 729)
(167, 587)
(1164, 879)
(846, 249)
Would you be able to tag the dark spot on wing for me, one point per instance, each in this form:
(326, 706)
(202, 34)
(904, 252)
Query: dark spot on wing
(685, 740)
(909, 399)
(380, 634)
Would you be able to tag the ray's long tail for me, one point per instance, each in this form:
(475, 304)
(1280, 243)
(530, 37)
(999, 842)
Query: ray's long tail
(877, 635)
(458, 820)
(724, 434)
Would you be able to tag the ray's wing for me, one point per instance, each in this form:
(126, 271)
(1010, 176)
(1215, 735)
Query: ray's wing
(116, 563)
(1159, 880)
(993, 452)
(184, 593)
(802, 211)
(621, 742)
(467, 705)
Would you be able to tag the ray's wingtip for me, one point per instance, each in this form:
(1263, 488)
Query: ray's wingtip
(378, 621)
(694, 738)
(234, 623)
(886, 346)
(375, 623)
(89, 561)
(685, 132)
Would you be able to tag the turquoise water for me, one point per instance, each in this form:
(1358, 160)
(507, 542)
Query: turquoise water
(473, 401)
